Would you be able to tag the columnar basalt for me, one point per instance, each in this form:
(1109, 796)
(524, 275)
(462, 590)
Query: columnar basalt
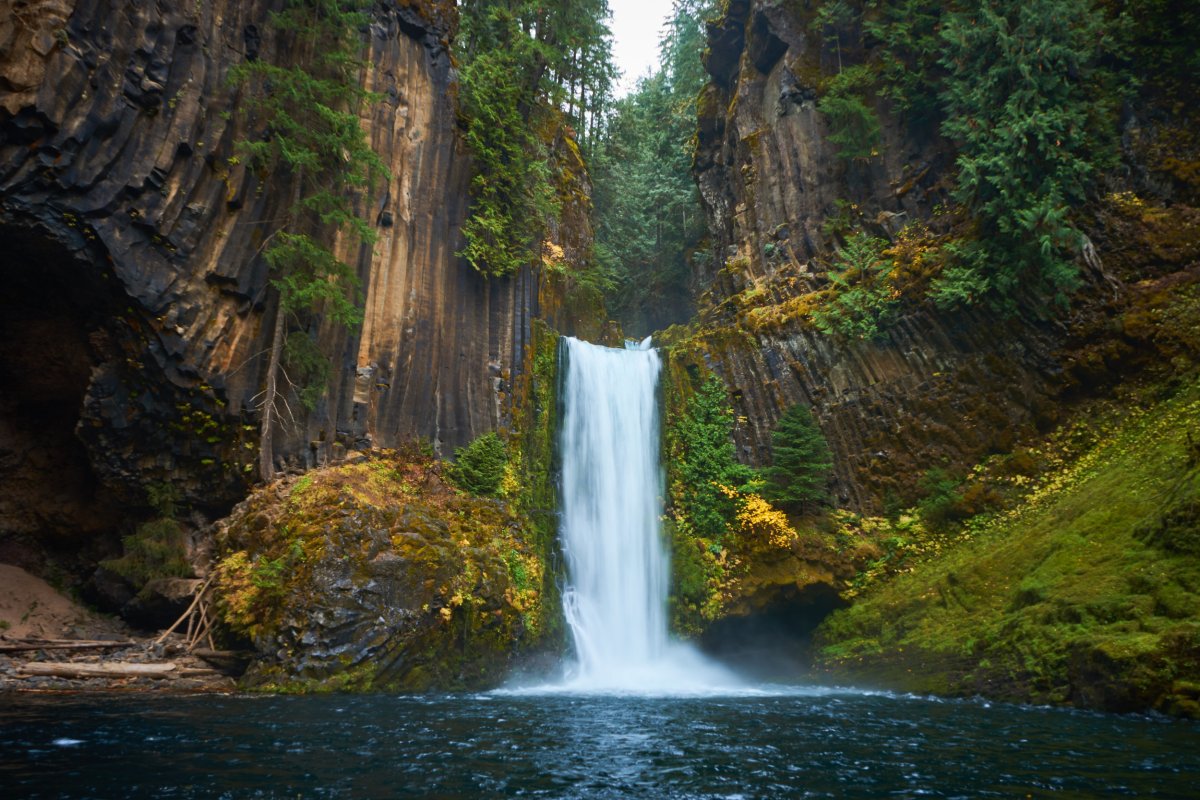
(120, 177)
(934, 389)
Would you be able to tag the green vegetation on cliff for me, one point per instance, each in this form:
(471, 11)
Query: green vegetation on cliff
(309, 114)
(1086, 591)
(732, 548)
(702, 463)
(1024, 94)
(1032, 113)
(521, 62)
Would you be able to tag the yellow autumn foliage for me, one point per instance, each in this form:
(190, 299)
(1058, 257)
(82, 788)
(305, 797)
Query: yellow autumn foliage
(761, 524)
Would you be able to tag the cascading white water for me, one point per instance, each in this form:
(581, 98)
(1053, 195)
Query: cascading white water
(618, 570)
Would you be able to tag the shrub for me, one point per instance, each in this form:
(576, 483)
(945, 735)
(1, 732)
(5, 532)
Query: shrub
(479, 467)
(155, 550)
(865, 298)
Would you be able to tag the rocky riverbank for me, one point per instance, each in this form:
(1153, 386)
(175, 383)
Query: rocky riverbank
(50, 643)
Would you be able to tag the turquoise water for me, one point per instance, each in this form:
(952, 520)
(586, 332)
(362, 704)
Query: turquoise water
(793, 743)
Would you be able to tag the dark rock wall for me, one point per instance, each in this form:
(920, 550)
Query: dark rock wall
(936, 389)
(117, 132)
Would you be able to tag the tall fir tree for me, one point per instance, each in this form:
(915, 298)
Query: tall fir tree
(800, 460)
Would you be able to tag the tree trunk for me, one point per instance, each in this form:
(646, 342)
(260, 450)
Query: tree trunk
(112, 669)
(266, 445)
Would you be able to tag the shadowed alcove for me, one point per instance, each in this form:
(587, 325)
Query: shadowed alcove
(54, 517)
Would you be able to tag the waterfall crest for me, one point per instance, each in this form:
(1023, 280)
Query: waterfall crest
(615, 600)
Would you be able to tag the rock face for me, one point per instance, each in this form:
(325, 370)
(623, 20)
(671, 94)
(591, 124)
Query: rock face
(935, 389)
(137, 305)
(376, 575)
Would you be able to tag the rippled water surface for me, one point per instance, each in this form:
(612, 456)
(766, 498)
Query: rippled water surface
(799, 743)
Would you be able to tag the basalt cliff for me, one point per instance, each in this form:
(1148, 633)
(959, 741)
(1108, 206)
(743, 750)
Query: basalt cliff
(937, 388)
(136, 314)
(1009, 479)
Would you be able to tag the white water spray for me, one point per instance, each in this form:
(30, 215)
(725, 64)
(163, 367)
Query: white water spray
(615, 601)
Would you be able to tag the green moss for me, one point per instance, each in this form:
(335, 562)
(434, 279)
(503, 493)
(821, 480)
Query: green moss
(424, 585)
(1081, 593)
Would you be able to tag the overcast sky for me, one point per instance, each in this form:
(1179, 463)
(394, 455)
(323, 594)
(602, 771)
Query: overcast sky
(636, 27)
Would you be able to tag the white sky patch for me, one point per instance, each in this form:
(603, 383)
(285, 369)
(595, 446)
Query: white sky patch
(636, 26)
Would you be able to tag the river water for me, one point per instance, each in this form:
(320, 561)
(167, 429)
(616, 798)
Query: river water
(797, 743)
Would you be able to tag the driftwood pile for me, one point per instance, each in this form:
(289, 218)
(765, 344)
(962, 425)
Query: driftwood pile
(186, 650)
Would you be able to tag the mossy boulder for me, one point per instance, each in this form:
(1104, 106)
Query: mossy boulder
(377, 575)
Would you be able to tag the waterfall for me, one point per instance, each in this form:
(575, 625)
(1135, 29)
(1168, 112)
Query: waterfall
(615, 600)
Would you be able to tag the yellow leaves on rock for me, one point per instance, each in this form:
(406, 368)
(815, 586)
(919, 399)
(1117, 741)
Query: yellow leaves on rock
(553, 257)
(760, 523)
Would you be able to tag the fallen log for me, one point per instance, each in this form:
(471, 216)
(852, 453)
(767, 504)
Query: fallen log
(230, 662)
(231, 655)
(112, 669)
(59, 644)
(199, 672)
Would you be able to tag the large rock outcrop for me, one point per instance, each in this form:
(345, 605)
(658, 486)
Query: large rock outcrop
(377, 575)
(935, 389)
(137, 306)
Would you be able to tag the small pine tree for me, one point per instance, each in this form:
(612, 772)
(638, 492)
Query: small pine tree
(853, 124)
(801, 460)
(479, 467)
(866, 299)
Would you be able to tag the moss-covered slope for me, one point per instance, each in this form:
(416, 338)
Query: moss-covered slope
(1086, 592)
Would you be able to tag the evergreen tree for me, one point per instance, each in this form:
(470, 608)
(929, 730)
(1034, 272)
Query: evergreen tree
(909, 60)
(854, 126)
(801, 460)
(701, 449)
(309, 113)
(865, 299)
(1021, 103)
